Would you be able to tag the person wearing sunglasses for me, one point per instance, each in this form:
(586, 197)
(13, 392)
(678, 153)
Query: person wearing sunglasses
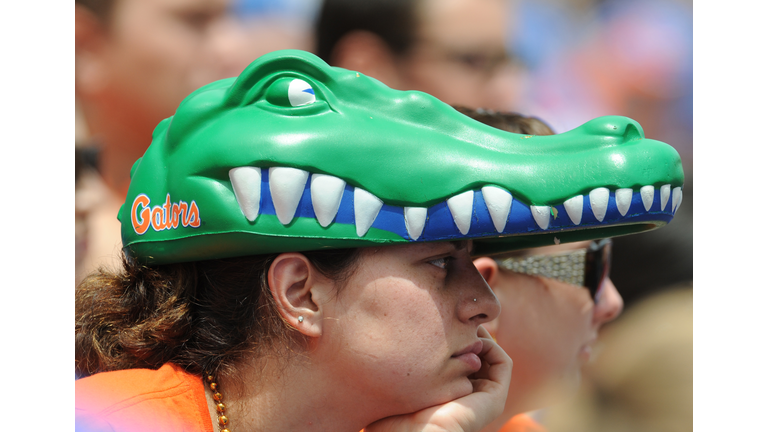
(554, 300)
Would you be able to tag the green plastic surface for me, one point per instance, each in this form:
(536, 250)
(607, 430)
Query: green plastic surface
(407, 148)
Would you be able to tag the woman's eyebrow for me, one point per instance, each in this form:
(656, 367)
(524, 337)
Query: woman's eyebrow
(464, 244)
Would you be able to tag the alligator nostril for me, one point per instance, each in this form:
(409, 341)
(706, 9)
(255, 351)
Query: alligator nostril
(620, 129)
(632, 133)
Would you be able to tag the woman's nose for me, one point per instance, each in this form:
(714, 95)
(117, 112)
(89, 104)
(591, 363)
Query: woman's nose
(609, 306)
(477, 303)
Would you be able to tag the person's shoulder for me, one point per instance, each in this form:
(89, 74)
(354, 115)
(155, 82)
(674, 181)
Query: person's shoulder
(133, 396)
(106, 388)
(522, 423)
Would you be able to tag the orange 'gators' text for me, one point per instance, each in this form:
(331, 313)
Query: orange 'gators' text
(164, 217)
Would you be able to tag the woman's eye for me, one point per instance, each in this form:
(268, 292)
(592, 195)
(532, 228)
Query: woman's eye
(440, 262)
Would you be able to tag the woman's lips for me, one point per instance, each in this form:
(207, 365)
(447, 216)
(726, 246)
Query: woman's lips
(470, 356)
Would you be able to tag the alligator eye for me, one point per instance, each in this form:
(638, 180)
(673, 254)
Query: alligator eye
(300, 93)
(290, 92)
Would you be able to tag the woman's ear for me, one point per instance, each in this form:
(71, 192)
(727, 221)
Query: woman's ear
(489, 270)
(299, 289)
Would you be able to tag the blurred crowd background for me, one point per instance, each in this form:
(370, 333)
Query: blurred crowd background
(565, 61)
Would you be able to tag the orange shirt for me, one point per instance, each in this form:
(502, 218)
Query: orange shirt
(133, 400)
(522, 423)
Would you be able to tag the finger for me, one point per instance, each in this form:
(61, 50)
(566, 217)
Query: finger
(483, 332)
(499, 363)
(482, 373)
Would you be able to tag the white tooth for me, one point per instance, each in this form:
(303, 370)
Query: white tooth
(246, 182)
(414, 220)
(286, 186)
(367, 207)
(541, 216)
(677, 198)
(598, 199)
(461, 209)
(326, 192)
(498, 201)
(575, 207)
(623, 200)
(664, 196)
(646, 193)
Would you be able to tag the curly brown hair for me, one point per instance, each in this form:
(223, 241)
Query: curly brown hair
(508, 121)
(204, 316)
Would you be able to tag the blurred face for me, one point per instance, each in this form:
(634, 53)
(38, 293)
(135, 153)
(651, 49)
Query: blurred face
(82, 206)
(549, 329)
(405, 326)
(158, 51)
(459, 54)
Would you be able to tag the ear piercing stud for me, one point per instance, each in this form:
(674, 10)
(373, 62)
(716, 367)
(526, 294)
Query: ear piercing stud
(301, 319)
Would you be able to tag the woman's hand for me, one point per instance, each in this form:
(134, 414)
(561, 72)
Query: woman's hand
(469, 413)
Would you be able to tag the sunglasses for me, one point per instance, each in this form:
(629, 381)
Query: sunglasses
(588, 267)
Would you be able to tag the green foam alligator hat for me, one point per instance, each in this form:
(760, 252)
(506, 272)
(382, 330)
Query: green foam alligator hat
(295, 155)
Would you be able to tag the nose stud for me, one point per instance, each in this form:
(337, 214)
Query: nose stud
(474, 300)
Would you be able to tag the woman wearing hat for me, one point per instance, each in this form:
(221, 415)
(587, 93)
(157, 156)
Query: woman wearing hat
(298, 255)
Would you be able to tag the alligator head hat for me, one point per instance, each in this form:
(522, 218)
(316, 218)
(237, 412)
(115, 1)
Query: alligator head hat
(296, 155)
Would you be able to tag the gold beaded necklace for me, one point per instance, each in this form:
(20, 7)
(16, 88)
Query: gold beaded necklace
(220, 407)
